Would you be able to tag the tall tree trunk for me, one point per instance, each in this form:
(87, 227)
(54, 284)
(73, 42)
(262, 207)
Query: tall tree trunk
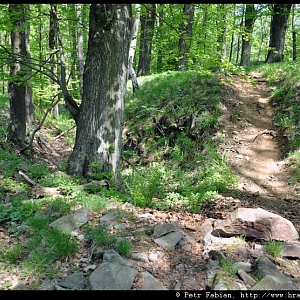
(62, 81)
(278, 26)
(263, 32)
(53, 60)
(250, 17)
(17, 88)
(240, 36)
(80, 48)
(72, 77)
(5, 68)
(185, 37)
(232, 36)
(98, 140)
(159, 30)
(147, 31)
(223, 29)
(40, 43)
(294, 34)
(133, 38)
(30, 113)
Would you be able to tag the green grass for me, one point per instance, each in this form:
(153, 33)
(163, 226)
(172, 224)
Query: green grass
(174, 114)
(100, 235)
(274, 248)
(124, 247)
(228, 267)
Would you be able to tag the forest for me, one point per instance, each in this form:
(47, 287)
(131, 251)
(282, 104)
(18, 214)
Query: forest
(103, 105)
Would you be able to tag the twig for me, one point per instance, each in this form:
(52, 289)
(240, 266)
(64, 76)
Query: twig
(39, 127)
(26, 178)
(42, 141)
(62, 133)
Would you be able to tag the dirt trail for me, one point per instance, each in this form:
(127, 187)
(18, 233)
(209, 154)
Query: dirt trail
(255, 146)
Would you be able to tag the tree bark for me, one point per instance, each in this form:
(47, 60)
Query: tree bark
(294, 34)
(223, 29)
(98, 140)
(160, 17)
(147, 30)
(250, 17)
(30, 112)
(133, 38)
(16, 86)
(278, 26)
(80, 48)
(185, 37)
(52, 46)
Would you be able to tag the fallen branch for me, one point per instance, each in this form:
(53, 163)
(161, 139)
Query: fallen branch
(48, 146)
(26, 178)
(62, 133)
(40, 191)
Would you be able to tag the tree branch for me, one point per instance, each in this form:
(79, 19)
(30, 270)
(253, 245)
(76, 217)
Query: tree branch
(40, 125)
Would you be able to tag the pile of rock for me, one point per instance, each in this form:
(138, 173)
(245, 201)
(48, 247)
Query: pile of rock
(240, 240)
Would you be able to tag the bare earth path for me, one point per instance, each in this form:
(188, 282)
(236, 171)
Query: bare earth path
(256, 148)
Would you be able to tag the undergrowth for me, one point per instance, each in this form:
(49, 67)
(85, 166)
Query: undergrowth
(170, 161)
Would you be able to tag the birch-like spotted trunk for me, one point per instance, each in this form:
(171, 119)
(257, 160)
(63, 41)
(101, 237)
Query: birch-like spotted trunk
(80, 47)
(98, 140)
(133, 38)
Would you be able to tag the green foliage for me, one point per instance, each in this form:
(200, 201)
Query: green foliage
(274, 248)
(100, 235)
(9, 162)
(47, 244)
(97, 173)
(11, 255)
(38, 171)
(176, 174)
(228, 266)
(58, 178)
(13, 215)
(143, 184)
(124, 247)
(294, 162)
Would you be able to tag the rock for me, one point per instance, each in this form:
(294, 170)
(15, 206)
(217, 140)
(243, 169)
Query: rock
(48, 284)
(148, 282)
(110, 216)
(72, 221)
(114, 273)
(255, 270)
(249, 280)
(272, 277)
(290, 250)
(257, 223)
(169, 241)
(140, 256)
(19, 286)
(272, 283)
(163, 229)
(73, 282)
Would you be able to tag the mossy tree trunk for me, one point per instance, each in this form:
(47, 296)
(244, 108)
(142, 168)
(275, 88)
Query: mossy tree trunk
(98, 140)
